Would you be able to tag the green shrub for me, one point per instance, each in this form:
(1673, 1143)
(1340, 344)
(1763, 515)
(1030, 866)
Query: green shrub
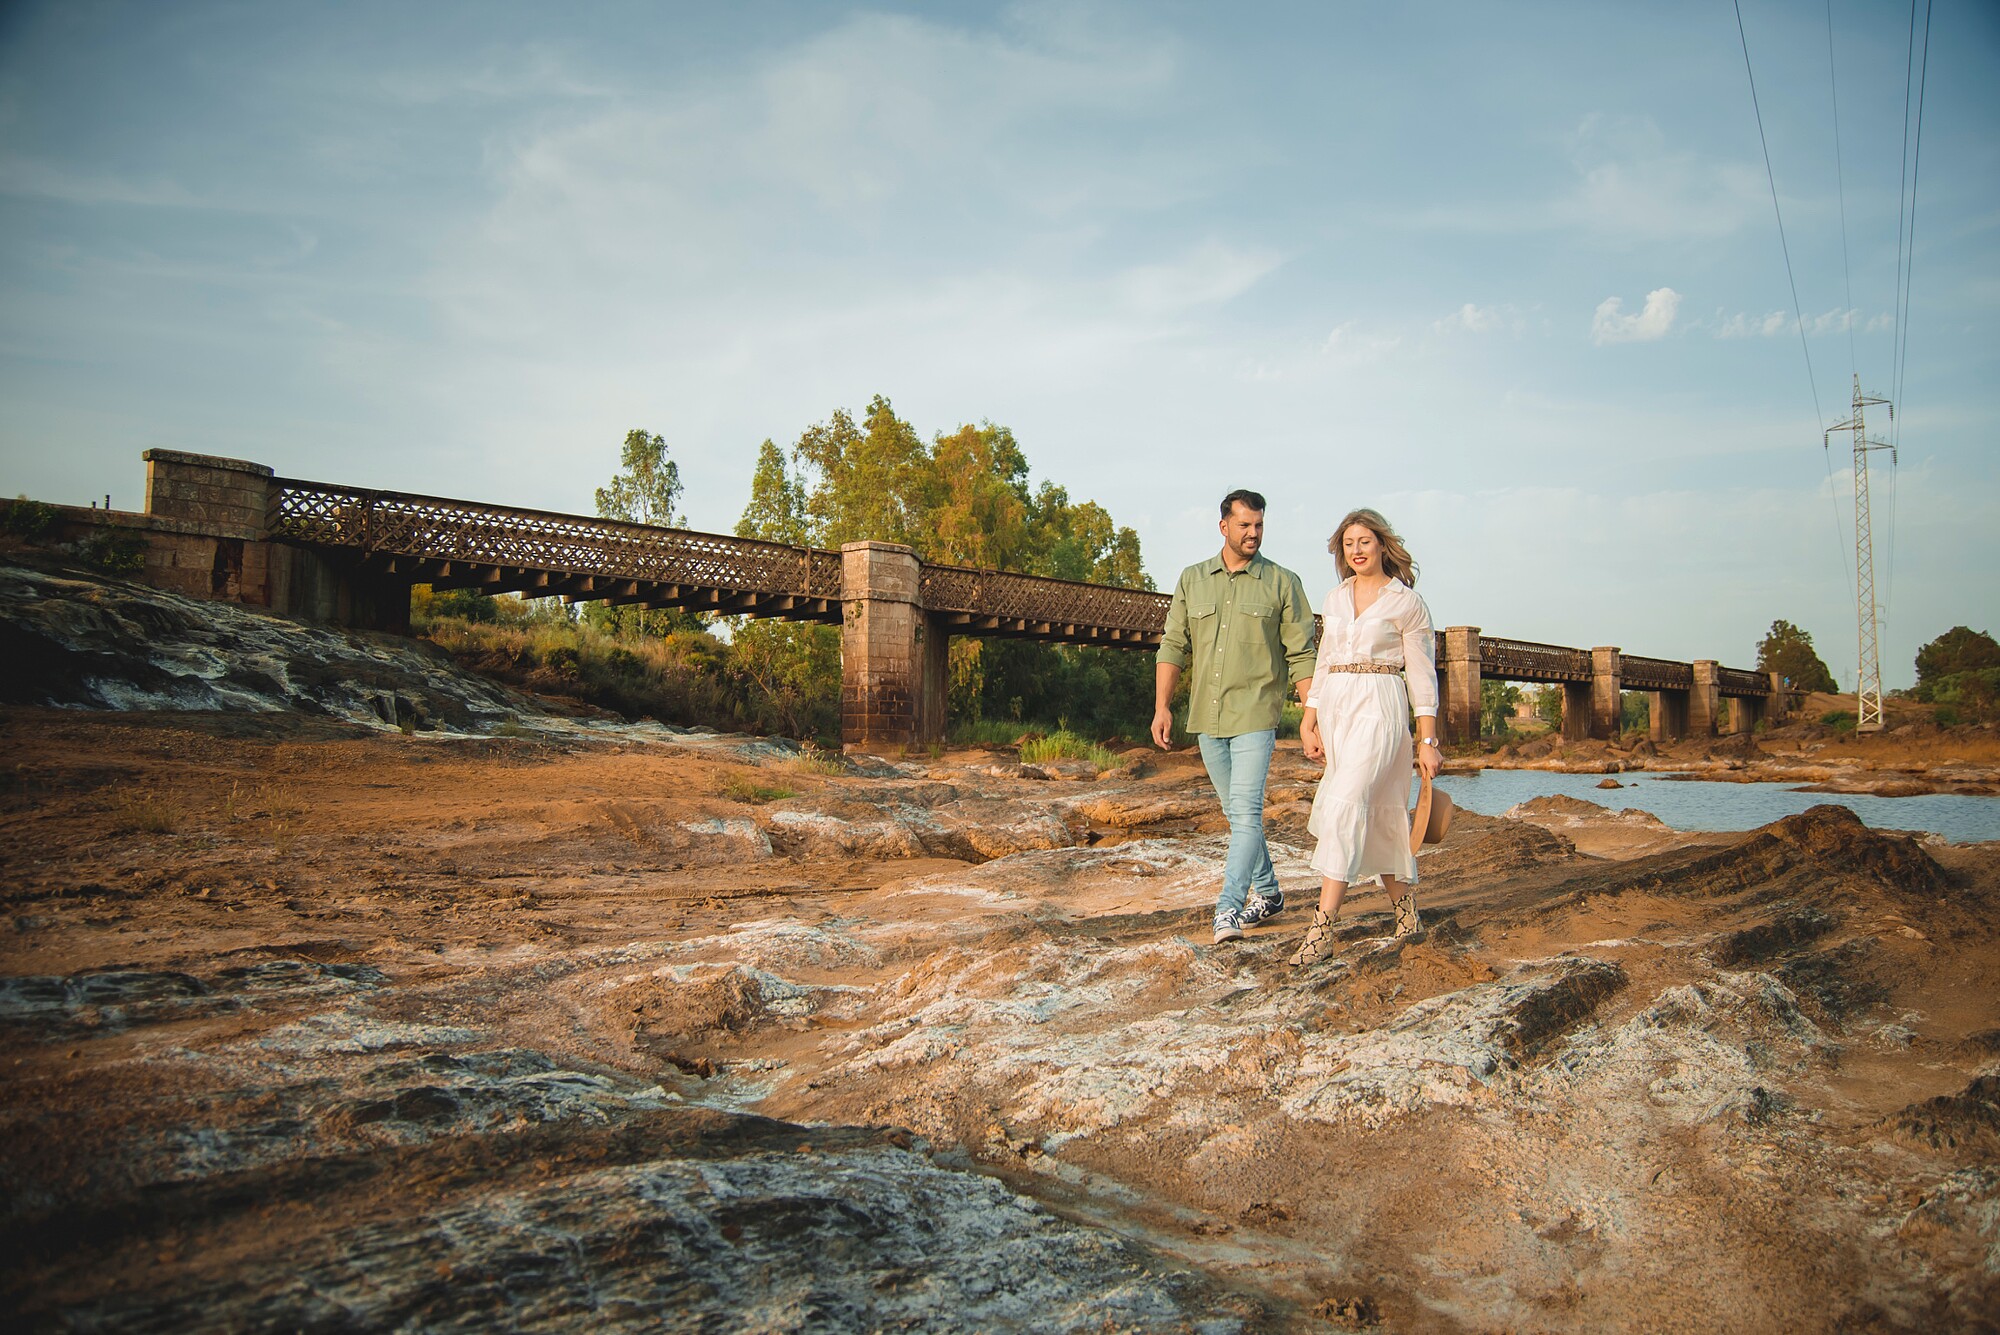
(1971, 696)
(30, 520)
(466, 604)
(114, 552)
(1840, 720)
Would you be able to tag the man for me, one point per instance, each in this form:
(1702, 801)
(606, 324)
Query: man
(1245, 624)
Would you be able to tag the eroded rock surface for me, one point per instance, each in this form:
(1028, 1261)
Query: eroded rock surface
(311, 1026)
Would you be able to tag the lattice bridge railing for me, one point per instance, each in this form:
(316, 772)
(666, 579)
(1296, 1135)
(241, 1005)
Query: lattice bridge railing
(460, 544)
(1525, 660)
(1000, 603)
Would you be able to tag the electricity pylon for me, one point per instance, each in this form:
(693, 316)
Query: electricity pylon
(1868, 685)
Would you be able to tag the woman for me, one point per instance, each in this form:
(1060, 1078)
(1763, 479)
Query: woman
(1377, 662)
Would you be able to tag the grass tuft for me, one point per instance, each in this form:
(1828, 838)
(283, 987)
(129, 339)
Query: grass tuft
(816, 759)
(146, 813)
(1066, 745)
(739, 789)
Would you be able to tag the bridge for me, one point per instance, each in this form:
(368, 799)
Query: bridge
(225, 528)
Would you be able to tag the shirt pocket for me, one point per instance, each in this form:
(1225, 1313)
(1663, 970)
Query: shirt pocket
(1201, 616)
(1255, 622)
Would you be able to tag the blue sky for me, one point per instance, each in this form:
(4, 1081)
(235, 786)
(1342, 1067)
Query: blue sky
(1507, 272)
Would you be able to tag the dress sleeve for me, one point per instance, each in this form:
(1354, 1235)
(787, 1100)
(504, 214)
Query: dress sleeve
(1419, 658)
(1325, 655)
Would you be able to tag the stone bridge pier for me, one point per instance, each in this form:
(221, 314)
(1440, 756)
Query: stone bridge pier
(893, 686)
(1705, 699)
(1594, 708)
(1458, 711)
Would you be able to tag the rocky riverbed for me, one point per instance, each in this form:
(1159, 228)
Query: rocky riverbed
(313, 1023)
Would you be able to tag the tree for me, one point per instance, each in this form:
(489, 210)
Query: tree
(1788, 651)
(1549, 705)
(1959, 649)
(866, 481)
(646, 486)
(777, 509)
(643, 491)
(1497, 702)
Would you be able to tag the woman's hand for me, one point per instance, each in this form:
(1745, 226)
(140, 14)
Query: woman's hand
(1429, 759)
(1309, 736)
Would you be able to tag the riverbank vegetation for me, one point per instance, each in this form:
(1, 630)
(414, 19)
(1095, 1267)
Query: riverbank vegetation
(959, 498)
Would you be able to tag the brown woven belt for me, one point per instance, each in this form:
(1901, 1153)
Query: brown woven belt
(1385, 668)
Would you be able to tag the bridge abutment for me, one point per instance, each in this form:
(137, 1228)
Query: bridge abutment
(1460, 706)
(892, 663)
(217, 545)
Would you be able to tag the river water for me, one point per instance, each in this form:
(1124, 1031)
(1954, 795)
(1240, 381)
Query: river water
(1697, 804)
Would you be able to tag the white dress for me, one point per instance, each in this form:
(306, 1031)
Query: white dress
(1359, 814)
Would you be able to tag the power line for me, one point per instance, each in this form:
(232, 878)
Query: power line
(1798, 312)
(1840, 185)
(1902, 363)
(1906, 256)
(1902, 205)
(1783, 245)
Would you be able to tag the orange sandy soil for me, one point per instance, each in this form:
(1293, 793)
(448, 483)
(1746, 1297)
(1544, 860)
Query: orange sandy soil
(1666, 1143)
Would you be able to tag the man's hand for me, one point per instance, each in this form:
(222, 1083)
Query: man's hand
(1309, 737)
(1166, 677)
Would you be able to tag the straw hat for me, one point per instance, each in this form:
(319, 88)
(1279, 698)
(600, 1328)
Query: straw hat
(1431, 818)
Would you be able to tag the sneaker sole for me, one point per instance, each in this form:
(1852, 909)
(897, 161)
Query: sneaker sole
(1221, 937)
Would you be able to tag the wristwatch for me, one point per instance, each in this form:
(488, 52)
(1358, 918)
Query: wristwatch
(1427, 741)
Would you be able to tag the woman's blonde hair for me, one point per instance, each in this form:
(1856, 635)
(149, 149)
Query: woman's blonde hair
(1396, 560)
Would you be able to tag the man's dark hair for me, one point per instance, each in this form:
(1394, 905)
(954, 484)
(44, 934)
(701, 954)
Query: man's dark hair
(1251, 501)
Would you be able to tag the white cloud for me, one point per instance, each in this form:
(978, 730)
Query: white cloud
(1610, 324)
(1469, 319)
(1210, 273)
(1741, 325)
(1347, 339)
(1629, 188)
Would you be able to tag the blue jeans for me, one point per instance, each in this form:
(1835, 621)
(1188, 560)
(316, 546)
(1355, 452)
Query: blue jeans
(1237, 766)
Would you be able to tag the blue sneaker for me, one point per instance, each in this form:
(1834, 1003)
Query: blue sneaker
(1261, 907)
(1228, 927)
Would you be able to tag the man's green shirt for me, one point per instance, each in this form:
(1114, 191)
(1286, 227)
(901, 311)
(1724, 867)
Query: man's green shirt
(1248, 637)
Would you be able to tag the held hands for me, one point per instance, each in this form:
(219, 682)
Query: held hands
(1309, 736)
